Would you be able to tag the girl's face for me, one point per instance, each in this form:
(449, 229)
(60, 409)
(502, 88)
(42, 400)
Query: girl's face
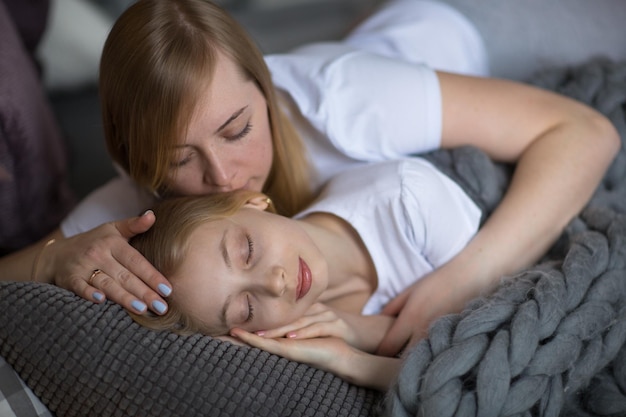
(254, 270)
(229, 143)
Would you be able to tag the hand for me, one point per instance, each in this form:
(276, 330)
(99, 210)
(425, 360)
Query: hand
(126, 277)
(329, 354)
(319, 321)
(361, 332)
(419, 305)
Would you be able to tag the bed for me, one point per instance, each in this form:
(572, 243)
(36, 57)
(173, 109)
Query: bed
(550, 341)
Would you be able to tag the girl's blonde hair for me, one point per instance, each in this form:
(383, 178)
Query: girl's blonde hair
(165, 246)
(158, 57)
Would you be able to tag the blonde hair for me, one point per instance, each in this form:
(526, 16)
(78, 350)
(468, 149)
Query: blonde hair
(165, 246)
(157, 58)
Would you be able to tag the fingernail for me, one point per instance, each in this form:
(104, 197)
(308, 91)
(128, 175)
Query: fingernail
(291, 335)
(147, 212)
(260, 333)
(98, 296)
(164, 290)
(159, 306)
(138, 305)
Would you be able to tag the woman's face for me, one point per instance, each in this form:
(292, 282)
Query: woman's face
(254, 270)
(228, 145)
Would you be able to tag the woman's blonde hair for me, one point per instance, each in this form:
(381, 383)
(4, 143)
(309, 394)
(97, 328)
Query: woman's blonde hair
(165, 245)
(158, 57)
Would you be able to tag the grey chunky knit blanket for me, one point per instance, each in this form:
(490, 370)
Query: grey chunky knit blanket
(551, 341)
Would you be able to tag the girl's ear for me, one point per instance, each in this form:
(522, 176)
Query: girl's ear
(259, 202)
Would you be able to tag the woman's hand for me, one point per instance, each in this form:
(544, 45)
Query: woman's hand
(100, 264)
(330, 354)
(361, 332)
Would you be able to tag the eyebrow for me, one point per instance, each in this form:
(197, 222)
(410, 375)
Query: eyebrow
(231, 118)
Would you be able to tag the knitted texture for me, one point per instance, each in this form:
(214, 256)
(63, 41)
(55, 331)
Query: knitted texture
(551, 340)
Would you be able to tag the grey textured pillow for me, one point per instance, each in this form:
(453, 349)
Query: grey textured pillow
(83, 359)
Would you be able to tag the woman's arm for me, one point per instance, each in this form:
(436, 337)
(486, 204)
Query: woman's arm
(562, 149)
(71, 262)
(332, 355)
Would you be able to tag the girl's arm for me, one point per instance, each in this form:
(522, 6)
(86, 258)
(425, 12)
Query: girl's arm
(562, 149)
(332, 355)
(70, 264)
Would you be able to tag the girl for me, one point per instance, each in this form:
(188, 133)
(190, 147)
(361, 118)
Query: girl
(373, 231)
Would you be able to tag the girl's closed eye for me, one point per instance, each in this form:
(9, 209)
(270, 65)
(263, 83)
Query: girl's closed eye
(250, 311)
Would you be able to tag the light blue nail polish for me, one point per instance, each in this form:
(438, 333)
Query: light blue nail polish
(164, 290)
(98, 296)
(159, 306)
(138, 305)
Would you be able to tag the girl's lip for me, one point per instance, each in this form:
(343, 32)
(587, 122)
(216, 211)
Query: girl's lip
(304, 280)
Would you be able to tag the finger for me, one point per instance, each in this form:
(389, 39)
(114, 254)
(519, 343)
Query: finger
(117, 293)
(323, 329)
(270, 345)
(135, 265)
(302, 322)
(135, 225)
(233, 340)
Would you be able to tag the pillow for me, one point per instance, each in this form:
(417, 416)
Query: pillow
(85, 359)
(34, 189)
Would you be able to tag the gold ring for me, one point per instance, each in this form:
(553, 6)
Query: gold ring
(93, 275)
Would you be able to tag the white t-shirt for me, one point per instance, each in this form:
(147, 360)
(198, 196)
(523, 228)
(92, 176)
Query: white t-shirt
(411, 217)
(371, 97)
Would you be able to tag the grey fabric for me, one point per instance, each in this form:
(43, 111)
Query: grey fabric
(549, 342)
(16, 399)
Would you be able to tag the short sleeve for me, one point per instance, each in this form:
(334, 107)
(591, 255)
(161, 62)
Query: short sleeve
(443, 217)
(118, 199)
(368, 106)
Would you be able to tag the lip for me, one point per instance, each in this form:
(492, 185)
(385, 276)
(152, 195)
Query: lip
(304, 280)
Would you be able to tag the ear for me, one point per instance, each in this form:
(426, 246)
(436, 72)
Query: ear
(259, 202)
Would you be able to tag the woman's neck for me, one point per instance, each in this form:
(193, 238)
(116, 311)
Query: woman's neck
(351, 271)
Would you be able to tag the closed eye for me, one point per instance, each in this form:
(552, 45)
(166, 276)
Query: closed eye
(250, 311)
(247, 128)
(250, 249)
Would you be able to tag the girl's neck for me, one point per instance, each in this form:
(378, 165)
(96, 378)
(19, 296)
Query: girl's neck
(350, 267)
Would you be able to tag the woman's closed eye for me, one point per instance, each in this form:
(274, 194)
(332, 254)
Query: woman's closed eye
(241, 134)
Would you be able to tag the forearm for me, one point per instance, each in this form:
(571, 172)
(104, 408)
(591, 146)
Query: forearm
(372, 371)
(553, 180)
(18, 266)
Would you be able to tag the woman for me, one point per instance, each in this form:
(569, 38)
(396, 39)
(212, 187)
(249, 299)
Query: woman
(374, 230)
(189, 108)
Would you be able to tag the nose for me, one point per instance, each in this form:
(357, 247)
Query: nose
(273, 283)
(218, 171)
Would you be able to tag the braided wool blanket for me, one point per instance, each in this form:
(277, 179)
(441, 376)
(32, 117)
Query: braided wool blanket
(550, 341)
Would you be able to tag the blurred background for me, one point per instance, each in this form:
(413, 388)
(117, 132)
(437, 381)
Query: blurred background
(70, 49)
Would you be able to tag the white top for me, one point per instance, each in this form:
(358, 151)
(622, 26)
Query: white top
(411, 217)
(371, 97)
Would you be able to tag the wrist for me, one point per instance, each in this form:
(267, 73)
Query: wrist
(41, 271)
(372, 371)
